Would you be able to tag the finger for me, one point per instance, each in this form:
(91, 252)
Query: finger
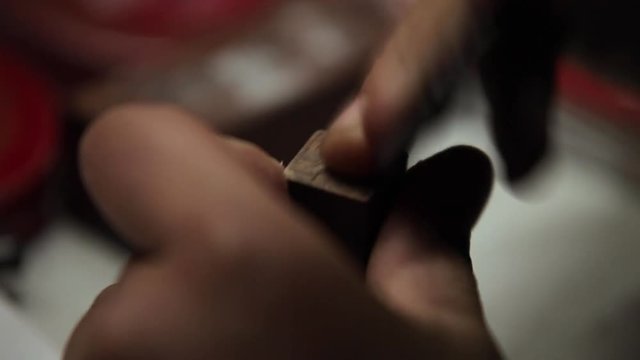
(518, 74)
(203, 223)
(134, 160)
(420, 265)
(227, 262)
(376, 124)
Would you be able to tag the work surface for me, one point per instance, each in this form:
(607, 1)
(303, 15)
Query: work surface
(557, 266)
(19, 340)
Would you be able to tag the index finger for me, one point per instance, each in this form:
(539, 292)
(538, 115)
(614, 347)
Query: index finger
(376, 125)
(157, 174)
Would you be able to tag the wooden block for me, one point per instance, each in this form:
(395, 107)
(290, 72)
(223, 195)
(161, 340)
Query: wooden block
(352, 210)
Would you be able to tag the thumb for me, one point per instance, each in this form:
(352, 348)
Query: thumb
(420, 266)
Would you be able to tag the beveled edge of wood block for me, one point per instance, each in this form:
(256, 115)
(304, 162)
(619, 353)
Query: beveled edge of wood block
(308, 168)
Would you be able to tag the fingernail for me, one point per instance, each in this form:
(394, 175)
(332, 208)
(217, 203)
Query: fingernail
(346, 148)
(350, 120)
(364, 155)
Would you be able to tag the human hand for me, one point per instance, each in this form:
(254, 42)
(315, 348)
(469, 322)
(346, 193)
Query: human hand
(227, 268)
(517, 73)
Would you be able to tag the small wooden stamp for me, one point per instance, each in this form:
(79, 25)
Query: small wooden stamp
(352, 210)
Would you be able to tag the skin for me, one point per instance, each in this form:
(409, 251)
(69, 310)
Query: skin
(517, 71)
(227, 268)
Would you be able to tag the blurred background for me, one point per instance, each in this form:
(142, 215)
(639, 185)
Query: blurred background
(557, 260)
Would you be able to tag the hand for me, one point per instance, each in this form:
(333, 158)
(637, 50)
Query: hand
(517, 73)
(227, 268)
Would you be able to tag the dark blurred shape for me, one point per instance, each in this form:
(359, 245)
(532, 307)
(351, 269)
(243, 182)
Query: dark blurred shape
(454, 187)
(518, 73)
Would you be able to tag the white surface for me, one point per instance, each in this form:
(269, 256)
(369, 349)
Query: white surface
(64, 272)
(557, 267)
(19, 340)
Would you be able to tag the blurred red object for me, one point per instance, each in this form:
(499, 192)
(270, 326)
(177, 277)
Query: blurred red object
(600, 117)
(594, 93)
(102, 33)
(161, 17)
(28, 132)
(28, 149)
